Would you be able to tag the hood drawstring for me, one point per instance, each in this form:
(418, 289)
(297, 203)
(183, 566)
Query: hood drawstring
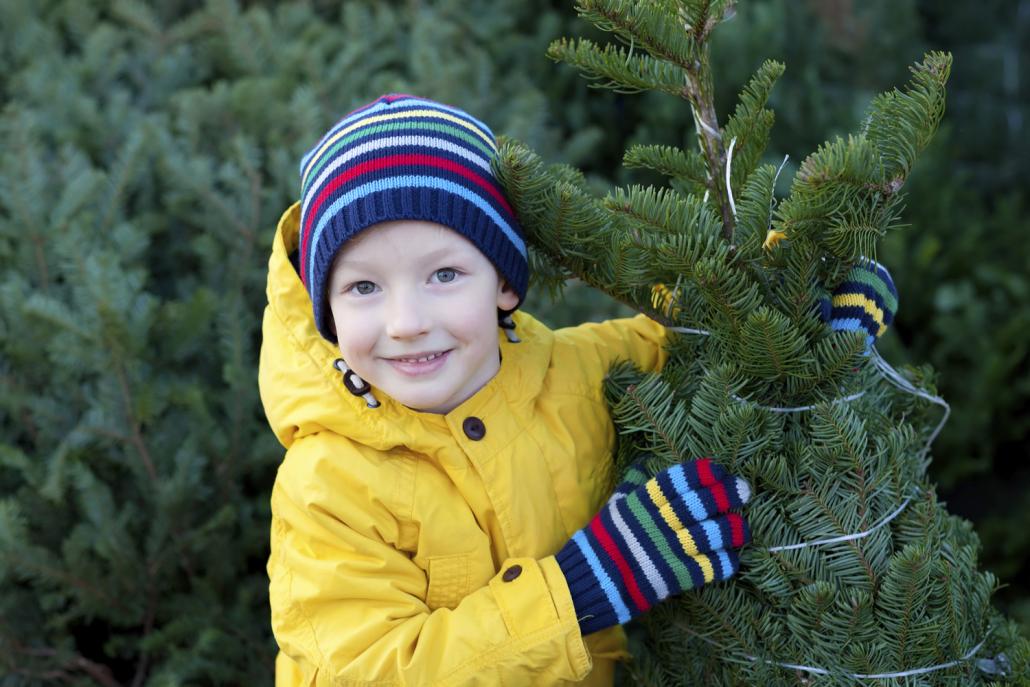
(355, 384)
(508, 326)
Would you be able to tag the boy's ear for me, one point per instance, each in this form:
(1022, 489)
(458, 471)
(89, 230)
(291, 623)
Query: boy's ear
(507, 299)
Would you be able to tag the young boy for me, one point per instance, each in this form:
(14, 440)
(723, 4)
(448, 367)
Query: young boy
(433, 521)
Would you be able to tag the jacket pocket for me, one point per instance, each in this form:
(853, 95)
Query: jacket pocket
(448, 580)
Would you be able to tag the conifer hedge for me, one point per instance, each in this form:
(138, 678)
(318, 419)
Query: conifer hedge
(148, 151)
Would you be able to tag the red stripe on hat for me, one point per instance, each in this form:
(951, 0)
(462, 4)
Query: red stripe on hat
(722, 501)
(383, 163)
(597, 527)
(736, 529)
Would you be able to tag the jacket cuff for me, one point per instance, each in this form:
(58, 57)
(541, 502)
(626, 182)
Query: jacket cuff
(533, 597)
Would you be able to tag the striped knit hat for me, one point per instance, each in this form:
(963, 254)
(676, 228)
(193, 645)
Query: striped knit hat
(404, 158)
(865, 301)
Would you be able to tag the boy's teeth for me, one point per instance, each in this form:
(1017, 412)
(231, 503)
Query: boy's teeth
(421, 360)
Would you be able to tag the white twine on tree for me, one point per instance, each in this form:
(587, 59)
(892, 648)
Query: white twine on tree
(715, 133)
(729, 187)
(688, 330)
(885, 370)
(772, 193)
(892, 376)
(847, 537)
(797, 409)
(858, 676)
(990, 666)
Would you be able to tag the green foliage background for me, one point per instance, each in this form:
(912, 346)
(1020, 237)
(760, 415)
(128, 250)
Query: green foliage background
(148, 151)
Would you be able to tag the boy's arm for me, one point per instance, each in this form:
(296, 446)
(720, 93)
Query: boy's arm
(348, 607)
(638, 339)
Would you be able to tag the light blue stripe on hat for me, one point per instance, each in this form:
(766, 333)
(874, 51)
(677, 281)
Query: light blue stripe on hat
(463, 152)
(610, 591)
(399, 105)
(339, 125)
(408, 182)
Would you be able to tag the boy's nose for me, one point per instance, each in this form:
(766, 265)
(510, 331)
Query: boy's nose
(406, 317)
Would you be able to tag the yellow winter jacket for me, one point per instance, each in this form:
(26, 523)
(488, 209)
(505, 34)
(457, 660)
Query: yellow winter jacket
(408, 550)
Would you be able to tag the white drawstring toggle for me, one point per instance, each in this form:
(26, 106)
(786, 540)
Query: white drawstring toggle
(508, 325)
(355, 384)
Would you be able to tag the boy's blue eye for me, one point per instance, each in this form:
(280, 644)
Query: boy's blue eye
(446, 274)
(363, 288)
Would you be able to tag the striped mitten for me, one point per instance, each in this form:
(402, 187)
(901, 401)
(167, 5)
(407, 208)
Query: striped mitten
(655, 537)
(865, 301)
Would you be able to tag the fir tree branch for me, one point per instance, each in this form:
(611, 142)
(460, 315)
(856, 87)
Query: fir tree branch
(713, 612)
(649, 26)
(99, 673)
(44, 274)
(643, 23)
(143, 664)
(136, 439)
(830, 514)
(702, 104)
(137, 442)
(69, 579)
(796, 572)
(20, 204)
(655, 425)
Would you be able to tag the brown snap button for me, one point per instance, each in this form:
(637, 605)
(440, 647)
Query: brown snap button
(511, 573)
(474, 428)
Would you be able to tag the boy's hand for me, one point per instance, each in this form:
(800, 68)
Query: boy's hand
(866, 301)
(655, 537)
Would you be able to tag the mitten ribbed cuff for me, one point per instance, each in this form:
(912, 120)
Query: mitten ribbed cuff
(592, 603)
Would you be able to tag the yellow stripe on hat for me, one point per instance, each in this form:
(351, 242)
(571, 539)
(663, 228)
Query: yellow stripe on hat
(387, 117)
(862, 301)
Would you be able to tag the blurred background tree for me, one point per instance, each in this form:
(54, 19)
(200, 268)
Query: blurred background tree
(149, 149)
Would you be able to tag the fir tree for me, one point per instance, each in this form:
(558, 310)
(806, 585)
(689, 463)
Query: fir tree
(856, 569)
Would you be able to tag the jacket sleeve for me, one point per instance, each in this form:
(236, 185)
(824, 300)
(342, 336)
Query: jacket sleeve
(348, 606)
(638, 339)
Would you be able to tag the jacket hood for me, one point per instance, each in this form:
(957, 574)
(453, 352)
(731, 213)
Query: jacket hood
(304, 394)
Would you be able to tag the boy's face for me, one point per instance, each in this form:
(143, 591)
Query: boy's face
(404, 291)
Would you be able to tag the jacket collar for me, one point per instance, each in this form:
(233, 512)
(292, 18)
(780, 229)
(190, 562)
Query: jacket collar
(303, 393)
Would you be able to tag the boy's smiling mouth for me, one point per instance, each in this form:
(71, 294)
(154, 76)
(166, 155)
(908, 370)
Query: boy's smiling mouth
(419, 363)
(417, 357)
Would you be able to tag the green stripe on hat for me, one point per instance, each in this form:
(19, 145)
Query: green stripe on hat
(378, 129)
